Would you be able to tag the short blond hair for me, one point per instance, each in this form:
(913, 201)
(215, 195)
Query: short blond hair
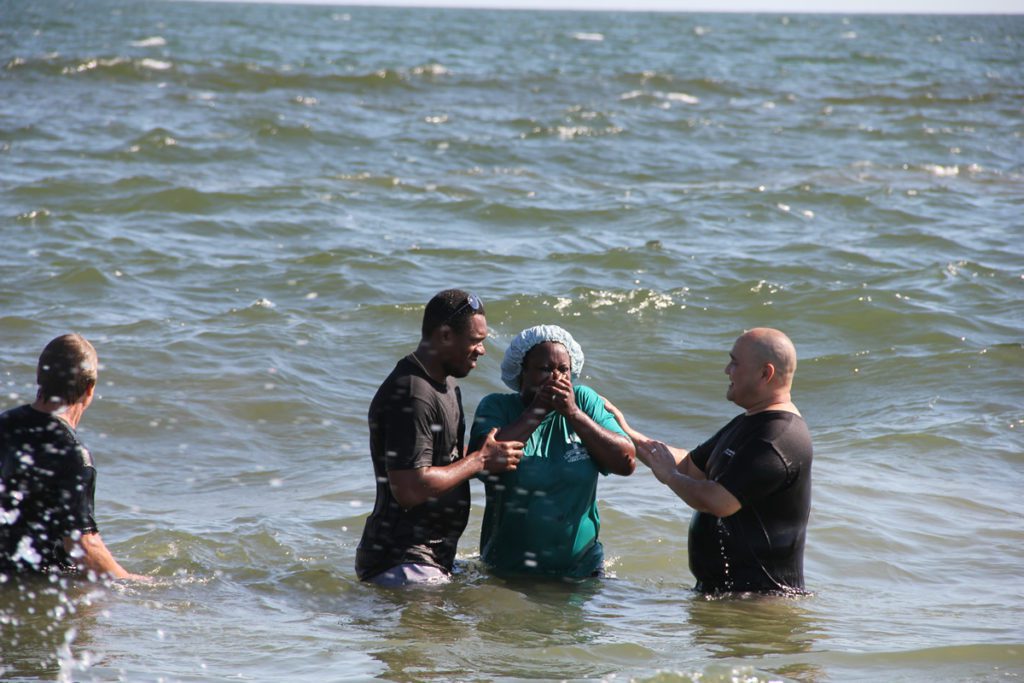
(68, 368)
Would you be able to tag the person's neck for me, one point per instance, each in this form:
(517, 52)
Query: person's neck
(425, 357)
(781, 402)
(72, 414)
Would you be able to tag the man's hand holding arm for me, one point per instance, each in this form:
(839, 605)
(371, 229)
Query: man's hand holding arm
(675, 468)
(417, 486)
(645, 445)
(697, 492)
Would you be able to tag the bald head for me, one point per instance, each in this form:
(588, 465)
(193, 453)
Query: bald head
(772, 346)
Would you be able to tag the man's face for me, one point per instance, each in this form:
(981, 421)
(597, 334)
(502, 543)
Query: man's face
(744, 371)
(463, 348)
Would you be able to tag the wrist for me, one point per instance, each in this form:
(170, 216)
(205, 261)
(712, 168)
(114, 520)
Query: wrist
(476, 461)
(575, 415)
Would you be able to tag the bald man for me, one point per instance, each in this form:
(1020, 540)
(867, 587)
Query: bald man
(750, 484)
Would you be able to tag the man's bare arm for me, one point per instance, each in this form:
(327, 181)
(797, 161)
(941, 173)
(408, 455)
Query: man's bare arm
(90, 553)
(645, 445)
(699, 493)
(417, 486)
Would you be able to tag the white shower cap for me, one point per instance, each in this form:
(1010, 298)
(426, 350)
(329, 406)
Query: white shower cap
(512, 365)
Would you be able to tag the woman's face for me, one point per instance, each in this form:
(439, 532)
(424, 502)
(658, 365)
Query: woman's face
(544, 362)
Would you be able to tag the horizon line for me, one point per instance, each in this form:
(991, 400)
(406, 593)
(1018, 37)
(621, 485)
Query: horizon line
(771, 7)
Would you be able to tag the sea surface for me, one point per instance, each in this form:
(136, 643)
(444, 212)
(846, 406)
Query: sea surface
(245, 207)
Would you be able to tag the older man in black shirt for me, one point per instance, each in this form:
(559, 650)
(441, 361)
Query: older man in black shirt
(749, 484)
(47, 476)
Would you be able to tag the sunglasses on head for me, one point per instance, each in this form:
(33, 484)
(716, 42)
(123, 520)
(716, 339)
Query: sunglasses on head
(472, 301)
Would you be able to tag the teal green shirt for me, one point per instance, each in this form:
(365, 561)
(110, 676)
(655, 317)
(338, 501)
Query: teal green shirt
(542, 518)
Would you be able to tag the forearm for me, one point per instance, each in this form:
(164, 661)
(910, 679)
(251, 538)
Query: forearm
(612, 452)
(93, 556)
(703, 495)
(415, 487)
(630, 432)
(523, 427)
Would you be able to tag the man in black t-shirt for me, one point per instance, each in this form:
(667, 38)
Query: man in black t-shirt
(47, 476)
(417, 431)
(749, 484)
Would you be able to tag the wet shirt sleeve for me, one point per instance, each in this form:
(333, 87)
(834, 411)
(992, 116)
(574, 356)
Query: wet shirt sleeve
(74, 487)
(699, 456)
(593, 406)
(754, 472)
(409, 435)
(78, 498)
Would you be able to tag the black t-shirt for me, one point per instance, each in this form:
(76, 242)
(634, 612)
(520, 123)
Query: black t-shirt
(414, 422)
(764, 460)
(47, 487)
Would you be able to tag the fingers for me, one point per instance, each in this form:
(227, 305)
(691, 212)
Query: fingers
(559, 394)
(502, 456)
(504, 462)
(512, 459)
(651, 447)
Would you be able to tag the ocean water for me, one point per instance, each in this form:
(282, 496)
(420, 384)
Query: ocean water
(245, 208)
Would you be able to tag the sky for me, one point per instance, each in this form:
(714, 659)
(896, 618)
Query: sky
(791, 6)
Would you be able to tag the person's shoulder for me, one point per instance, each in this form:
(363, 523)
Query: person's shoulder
(26, 418)
(423, 388)
(771, 420)
(584, 390)
(784, 419)
(18, 414)
(784, 428)
(403, 380)
(587, 398)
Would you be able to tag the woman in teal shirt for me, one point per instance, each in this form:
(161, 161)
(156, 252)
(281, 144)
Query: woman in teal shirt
(542, 517)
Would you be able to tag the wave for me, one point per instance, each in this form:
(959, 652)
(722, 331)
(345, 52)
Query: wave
(254, 77)
(230, 76)
(646, 81)
(909, 98)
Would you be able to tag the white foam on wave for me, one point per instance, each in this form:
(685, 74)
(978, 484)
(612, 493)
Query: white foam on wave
(682, 97)
(152, 41)
(155, 64)
(571, 132)
(91, 64)
(592, 37)
(942, 171)
(430, 70)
